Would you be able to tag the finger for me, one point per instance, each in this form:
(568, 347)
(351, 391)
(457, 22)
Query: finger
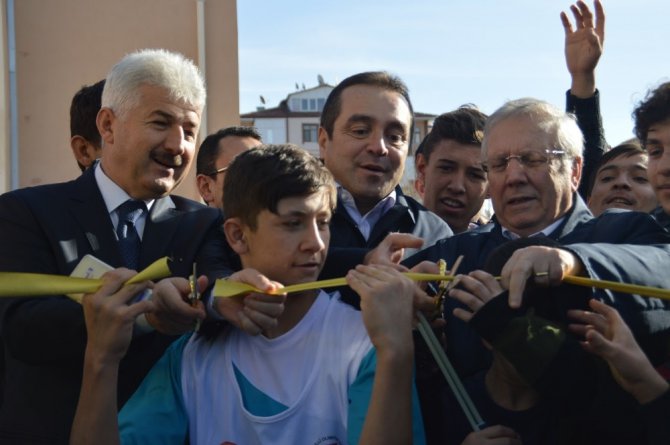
(269, 308)
(579, 24)
(403, 240)
(514, 275)
(598, 344)
(462, 314)
(578, 329)
(468, 299)
(589, 318)
(488, 280)
(129, 292)
(247, 325)
(426, 267)
(141, 307)
(113, 280)
(567, 26)
(422, 301)
(260, 319)
(587, 16)
(600, 20)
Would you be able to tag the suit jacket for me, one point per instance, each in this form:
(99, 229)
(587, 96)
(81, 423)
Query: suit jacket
(48, 229)
(348, 247)
(623, 246)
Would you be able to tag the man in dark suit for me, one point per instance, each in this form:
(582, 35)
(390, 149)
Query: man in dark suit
(149, 120)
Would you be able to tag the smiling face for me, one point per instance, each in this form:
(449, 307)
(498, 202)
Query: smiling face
(528, 199)
(622, 183)
(657, 144)
(148, 149)
(368, 148)
(455, 184)
(288, 246)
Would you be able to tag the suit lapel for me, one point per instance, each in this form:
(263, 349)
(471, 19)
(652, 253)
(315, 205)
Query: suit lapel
(159, 230)
(88, 208)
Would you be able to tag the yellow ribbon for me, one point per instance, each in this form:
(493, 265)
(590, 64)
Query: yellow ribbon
(227, 288)
(20, 284)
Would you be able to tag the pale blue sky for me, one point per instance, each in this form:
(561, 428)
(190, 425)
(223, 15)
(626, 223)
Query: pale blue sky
(450, 52)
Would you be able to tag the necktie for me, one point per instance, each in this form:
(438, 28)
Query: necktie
(129, 240)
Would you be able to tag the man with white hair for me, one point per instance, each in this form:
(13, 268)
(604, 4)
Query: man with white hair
(533, 154)
(119, 211)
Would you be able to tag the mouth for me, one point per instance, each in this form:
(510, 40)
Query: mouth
(520, 200)
(620, 200)
(374, 168)
(167, 160)
(452, 203)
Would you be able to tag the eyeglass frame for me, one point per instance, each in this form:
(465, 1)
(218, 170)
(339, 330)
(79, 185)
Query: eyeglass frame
(217, 171)
(551, 153)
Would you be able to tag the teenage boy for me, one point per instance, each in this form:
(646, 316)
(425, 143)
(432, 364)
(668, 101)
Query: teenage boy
(325, 373)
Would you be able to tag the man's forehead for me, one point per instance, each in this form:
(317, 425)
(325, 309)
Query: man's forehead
(659, 127)
(451, 150)
(635, 161)
(361, 101)
(516, 133)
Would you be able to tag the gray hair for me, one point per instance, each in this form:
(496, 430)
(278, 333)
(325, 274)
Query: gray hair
(559, 126)
(154, 67)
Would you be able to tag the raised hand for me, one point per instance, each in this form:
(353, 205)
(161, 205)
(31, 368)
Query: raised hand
(583, 46)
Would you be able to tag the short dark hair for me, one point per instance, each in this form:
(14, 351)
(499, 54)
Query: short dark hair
(84, 111)
(653, 109)
(259, 178)
(627, 149)
(209, 149)
(381, 79)
(464, 125)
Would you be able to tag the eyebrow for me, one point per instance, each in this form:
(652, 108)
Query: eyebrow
(364, 118)
(359, 118)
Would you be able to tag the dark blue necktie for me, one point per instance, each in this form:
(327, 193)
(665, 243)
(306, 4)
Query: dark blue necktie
(129, 240)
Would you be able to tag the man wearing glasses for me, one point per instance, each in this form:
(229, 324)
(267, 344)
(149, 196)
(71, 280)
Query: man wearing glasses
(214, 155)
(533, 153)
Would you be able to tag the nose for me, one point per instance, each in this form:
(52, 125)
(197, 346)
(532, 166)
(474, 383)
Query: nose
(313, 240)
(515, 173)
(622, 182)
(377, 145)
(457, 183)
(663, 164)
(175, 140)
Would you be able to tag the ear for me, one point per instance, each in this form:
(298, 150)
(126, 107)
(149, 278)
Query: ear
(323, 141)
(576, 174)
(105, 123)
(84, 152)
(420, 181)
(234, 230)
(205, 185)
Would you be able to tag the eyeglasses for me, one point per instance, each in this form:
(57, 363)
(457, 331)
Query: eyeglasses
(217, 171)
(529, 160)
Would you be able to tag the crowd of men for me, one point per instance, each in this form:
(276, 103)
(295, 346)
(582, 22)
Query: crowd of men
(543, 361)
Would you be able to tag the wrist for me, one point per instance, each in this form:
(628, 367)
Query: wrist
(583, 85)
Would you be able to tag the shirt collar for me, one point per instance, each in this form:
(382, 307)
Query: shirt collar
(546, 231)
(112, 194)
(349, 203)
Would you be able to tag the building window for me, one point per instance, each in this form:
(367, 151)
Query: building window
(321, 102)
(309, 132)
(312, 105)
(295, 104)
(305, 105)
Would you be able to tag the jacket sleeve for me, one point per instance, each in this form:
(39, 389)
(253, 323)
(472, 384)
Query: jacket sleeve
(587, 112)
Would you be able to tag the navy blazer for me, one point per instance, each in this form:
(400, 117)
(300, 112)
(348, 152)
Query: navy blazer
(48, 229)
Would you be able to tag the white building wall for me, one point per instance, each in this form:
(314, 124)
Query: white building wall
(272, 130)
(295, 133)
